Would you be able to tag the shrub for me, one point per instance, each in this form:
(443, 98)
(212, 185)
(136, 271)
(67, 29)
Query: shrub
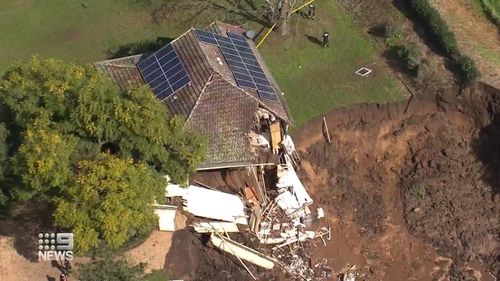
(466, 69)
(408, 54)
(440, 32)
(418, 191)
(393, 35)
(490, 12)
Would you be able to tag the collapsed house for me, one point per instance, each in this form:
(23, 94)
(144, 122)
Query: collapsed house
(217, 81)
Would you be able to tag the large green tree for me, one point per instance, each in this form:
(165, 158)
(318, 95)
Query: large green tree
(92, 151)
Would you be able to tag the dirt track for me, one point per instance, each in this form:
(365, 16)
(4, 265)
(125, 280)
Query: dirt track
(409, 196)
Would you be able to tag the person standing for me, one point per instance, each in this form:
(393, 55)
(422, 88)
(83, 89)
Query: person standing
(325, 39)
(311, 13)
(67, 266)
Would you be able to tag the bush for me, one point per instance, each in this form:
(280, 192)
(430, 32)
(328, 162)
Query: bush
(393, 35)
(490, 12)
(110, 269)
(156, 276)
(437, 26)
(408, 54)
(430, 17)
(466, 69)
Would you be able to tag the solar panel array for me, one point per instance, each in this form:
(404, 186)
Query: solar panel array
(164, 72)
(245, 67)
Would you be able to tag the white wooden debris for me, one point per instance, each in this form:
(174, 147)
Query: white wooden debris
(166, 217)
(208, 203)
(215, 226)
(241, 251)
(293, 195)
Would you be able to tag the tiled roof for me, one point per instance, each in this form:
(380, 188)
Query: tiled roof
(199, 70)
(123, 71)
(211, 103)
(225, 114)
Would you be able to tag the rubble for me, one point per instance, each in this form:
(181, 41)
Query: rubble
(215, 227)
(274, 209)
(208, 203)
(241, 251)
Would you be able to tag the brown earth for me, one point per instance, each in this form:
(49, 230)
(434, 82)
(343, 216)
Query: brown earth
(18, 245)
(409, 196)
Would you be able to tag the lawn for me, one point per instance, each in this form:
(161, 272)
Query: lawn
(68, 30)
(490, 8)
(314, 79)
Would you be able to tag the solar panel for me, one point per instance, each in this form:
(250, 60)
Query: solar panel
(163, 72)
(245, 83)
(233, 35)
(268, 95)
(205, 36)
(242, 61)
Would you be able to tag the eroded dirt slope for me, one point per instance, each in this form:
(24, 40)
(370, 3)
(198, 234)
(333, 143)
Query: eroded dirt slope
(410, 196)
(411, 192)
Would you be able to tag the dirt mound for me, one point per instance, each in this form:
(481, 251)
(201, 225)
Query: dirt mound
(446, 200)
(411, 190)
(190, 258)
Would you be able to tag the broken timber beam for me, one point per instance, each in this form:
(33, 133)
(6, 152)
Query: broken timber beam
(326, 131)
(241, 251)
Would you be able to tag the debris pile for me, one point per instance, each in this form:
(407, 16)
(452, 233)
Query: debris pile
(274, 212)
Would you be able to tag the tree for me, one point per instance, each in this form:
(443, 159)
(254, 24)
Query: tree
(109, 199)
(92, 151)
(109, 269)
(3, 162)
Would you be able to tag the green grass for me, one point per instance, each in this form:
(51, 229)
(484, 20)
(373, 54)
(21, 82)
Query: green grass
(490, 8)
(66, 30)
(489, 55)
(316, 79)
(156, 276)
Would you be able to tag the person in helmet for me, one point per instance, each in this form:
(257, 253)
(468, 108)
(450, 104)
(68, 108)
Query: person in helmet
(325, 39)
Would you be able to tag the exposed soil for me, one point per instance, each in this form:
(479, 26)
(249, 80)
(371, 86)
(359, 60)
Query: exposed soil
(18, 245)
(410, 196)
(190, 258)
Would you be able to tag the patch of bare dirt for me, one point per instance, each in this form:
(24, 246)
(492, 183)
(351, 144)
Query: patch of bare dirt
(18, 246)
(410, 196)
(190, 258)
(411, 192)
(476, 36)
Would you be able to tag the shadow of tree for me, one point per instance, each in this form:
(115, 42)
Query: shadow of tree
(397, 65)
(140, 47)
(423, 34)
(26, 221)
(233, 11)
(487, 149)
(417, 27)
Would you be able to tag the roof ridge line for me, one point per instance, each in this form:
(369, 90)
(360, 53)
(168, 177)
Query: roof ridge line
(180, 36)
(208, 83)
